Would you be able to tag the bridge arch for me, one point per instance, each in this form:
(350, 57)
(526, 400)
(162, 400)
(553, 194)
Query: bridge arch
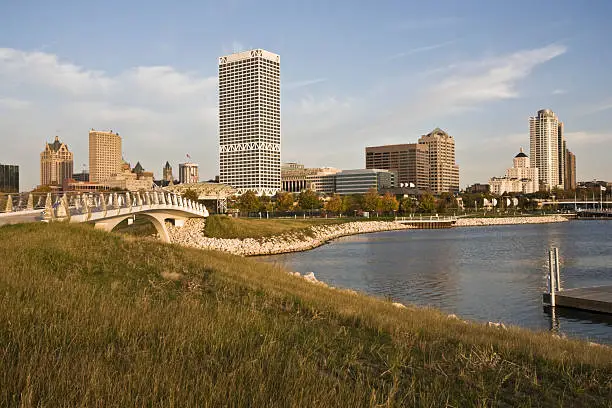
(158, 219)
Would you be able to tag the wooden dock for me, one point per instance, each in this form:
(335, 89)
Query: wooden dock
(594, 299)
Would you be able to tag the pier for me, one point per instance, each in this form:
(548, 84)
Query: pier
(427, 222)
(593, 299)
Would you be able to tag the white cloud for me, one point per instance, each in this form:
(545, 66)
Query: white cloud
(161, 112)
(559, 92)
(290, 86)
(587, 138)
(422, 49)
(13, 103)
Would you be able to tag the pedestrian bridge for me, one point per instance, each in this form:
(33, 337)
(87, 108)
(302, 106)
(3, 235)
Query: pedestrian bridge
(104, 210)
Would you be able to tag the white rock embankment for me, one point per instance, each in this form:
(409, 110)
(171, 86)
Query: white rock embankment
(477, 222)
(191, 235)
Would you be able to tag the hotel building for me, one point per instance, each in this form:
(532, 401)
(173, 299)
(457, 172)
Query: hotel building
(56, 163)
(249, 121)
(521, 178)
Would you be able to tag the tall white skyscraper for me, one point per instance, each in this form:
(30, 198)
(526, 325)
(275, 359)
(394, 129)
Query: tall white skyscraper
(249, 121)
(547, 148)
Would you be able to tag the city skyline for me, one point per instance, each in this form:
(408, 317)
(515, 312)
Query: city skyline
(157, 83)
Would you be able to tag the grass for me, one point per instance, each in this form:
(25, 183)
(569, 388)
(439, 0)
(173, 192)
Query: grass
(228, 227)
(89, 318)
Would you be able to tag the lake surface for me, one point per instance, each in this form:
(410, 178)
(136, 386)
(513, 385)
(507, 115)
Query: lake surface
(480, 273)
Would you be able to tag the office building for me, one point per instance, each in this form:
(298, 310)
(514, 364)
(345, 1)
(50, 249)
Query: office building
(188, 173)
(104, 155)
(443, 171)
(362, 180)
(548, 148)
(570, 170)
(520, 178)
(9, 178)
(295, 178)
(167, 173)
(409, 161)
(249, 121)
(56, 163)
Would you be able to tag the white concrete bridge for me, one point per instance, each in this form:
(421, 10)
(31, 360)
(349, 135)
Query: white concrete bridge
(104, 210)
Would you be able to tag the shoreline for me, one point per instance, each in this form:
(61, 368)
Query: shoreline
(191, 235)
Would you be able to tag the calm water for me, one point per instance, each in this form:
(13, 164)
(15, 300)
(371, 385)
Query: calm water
(480, 273)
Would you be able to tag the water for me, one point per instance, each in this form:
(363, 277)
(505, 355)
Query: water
(481, 273)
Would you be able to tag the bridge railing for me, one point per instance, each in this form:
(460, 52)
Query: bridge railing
(67, 204)
(426, 218)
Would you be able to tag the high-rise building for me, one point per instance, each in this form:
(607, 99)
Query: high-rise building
(56, 163)
(409, 161)
(547, 148)
(443, 171)
(188, 173)
(104, 155)
(570, 170)
(9, 178)
(249, 121)
(167, 173)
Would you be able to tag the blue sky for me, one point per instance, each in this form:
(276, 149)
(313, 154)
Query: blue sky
(354, 74)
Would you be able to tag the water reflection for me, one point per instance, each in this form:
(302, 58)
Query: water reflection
(485, 273)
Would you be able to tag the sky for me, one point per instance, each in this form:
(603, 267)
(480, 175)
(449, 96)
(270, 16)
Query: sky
(353, 74)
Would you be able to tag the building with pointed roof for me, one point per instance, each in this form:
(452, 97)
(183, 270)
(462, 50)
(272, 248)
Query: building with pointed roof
(167, 173)
(520, 178)
(56, 163)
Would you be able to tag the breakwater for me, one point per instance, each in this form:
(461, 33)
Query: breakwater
(192, 235)
(476, 222)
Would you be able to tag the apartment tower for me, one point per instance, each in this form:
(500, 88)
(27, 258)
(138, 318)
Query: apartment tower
(409, 161)
(56, 163)
(249, 121)
(547, 148)
(104, 155)
(443, 171)
(570, 170)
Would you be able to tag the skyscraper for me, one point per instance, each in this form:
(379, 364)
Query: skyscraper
(104, 155)
(249, 121)
(547, 146)
(167, 173)
(443, 171)
(56, 163)
(409, 161)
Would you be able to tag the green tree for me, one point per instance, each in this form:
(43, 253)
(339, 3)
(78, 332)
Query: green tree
(427, 203)
(190, 195)
(264, 203)
(334, 205)
(388, 203)
(371, 200)
(407, 205)
(284, 201)
(248, 202)
(309, 200)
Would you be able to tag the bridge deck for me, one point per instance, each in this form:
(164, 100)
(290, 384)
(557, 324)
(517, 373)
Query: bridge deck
(594, 299)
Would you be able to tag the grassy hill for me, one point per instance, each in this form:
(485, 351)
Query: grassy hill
(91, 318)
(228, 227)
